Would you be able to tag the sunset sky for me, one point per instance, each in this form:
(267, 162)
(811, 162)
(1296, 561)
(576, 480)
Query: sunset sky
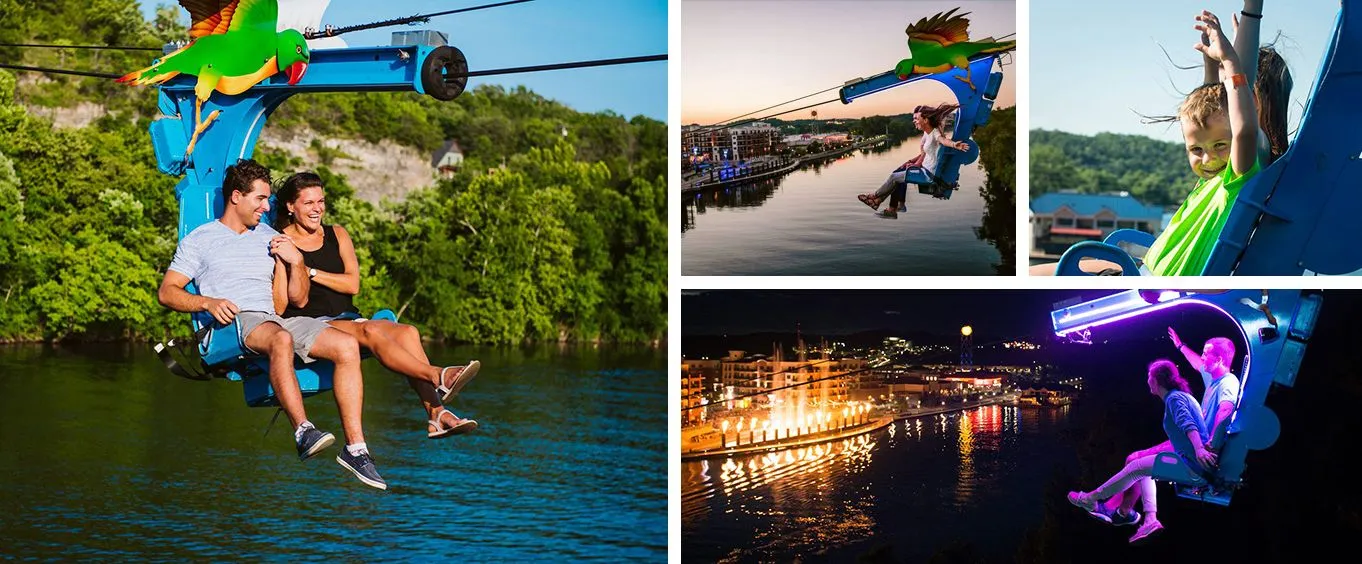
(738, 56)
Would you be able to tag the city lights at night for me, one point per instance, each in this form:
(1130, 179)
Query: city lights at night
(979, 405)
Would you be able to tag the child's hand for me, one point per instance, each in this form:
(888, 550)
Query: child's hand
(1217, 47)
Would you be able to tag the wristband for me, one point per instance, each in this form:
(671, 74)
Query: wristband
(1237, 80)
(1251, 15)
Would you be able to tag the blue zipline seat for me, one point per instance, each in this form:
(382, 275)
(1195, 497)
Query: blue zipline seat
(440, 71)
(976, 106)
(1273, 355)
(224, 347)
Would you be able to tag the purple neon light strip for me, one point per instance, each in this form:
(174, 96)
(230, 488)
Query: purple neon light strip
(1062, 319)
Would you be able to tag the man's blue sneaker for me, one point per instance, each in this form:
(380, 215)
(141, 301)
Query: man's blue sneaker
(363, 466)
(313, 442)
(1115, 516)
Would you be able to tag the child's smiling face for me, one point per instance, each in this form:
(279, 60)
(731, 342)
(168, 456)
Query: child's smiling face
(1208, 146)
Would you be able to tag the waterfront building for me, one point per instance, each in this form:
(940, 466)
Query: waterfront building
(708, 144)
(699, 386)
(741, 374)
(1061, 219)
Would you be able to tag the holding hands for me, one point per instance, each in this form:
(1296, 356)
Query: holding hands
(283, 248)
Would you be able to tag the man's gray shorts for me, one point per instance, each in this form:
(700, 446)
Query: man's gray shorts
(304, 330)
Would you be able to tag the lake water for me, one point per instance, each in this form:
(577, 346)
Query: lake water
(972, 476)
(106, 456)
(809, 222)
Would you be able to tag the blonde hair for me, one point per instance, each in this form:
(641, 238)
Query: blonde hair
(1272, 97)
(1203, 104)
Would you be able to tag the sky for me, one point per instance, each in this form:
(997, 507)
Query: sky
(1096, 63)
(738, 56)
(535, 33)
(993, 314)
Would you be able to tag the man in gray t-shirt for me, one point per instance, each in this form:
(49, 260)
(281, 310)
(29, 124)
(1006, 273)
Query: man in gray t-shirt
(1217, 404)
(237, 264)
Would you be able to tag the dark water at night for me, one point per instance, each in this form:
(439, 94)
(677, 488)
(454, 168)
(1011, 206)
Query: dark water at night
(809, 222)
(106, 456)
(974, 475)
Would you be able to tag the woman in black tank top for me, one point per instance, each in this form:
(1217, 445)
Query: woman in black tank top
(329, 255)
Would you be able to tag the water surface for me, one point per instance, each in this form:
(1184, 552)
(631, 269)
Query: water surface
(913, 488)
(809, 222)
(107, 456)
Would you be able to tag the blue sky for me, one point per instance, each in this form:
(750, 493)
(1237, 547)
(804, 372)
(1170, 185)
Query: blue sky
(1092, 63)
(534, 33)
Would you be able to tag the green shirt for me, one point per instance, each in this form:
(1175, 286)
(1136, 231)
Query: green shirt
(1185, 246)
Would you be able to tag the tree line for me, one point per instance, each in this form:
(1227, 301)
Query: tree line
(1154, 172)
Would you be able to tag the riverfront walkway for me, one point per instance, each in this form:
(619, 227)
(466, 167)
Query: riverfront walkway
(706, 181)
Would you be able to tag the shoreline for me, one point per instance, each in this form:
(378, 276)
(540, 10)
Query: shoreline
(875, 425)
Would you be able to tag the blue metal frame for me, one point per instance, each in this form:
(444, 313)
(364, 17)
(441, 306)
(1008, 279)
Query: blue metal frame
(976, 105)
(1273, 355)
(1300, 213)
(233, 137)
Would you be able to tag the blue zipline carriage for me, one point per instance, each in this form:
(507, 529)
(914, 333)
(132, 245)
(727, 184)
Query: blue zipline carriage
(976, 105)
(1300, 212)
(440, 71)
(1273, 355)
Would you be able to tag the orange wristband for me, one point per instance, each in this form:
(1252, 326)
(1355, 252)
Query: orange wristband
(1238, 80)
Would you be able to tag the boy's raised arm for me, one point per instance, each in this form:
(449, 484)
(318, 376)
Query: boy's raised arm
(1242, 114)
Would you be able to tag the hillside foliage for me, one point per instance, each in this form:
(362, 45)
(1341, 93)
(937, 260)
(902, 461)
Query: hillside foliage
(553, 229)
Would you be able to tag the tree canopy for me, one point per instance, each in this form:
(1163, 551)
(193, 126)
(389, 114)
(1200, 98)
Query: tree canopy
(1154, 172)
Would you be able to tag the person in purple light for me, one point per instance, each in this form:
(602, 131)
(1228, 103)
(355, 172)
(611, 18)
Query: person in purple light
(1217, 405)
(1186, 431)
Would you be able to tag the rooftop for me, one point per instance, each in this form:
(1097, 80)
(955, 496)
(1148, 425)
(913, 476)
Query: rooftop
(1123, 205)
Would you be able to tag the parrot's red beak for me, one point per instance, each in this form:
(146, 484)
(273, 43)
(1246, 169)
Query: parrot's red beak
(295, 72)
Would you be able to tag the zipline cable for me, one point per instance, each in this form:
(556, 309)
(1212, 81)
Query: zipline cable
(768, 107)
(492, 72)
(576, 65)
(105, 47)
(60, 71)
(332, 32)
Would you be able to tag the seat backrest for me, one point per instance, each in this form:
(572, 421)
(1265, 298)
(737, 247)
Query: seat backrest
(1299, 213)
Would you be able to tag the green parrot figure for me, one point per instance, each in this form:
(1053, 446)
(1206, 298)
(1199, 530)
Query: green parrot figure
(940, 43)
(233, 47)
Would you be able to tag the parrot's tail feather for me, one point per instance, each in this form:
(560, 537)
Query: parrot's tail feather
(152, 74)
(149, 75)
(999, 47)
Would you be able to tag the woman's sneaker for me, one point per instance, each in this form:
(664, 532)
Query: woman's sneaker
(363, 467)
(312, 442)
(1150, 526)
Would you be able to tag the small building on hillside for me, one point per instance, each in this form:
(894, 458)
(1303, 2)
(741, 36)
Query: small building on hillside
(447, 160)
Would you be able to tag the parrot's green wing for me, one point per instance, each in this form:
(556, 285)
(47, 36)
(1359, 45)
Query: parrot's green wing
(213, 17)
(941, 30)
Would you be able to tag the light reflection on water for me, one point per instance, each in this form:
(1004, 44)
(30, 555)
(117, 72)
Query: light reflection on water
(810, 222)
(914, 485)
